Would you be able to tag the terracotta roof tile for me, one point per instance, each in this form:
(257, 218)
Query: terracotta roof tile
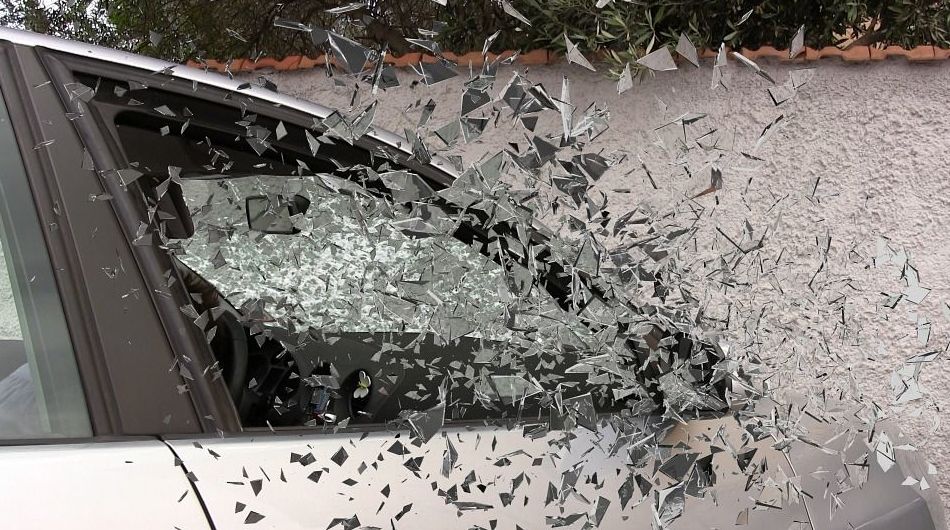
(854, 54)
(765, 51)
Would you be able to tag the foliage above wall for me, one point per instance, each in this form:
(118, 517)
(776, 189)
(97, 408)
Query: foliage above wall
(187, 29)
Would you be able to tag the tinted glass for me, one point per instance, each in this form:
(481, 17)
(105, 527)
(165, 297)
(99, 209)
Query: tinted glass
(40, 390)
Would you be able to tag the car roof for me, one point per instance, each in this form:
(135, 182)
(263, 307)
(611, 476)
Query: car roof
(203, 76)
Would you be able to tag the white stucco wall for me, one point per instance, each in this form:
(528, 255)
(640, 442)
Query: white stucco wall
(877, 135)
(9, 320)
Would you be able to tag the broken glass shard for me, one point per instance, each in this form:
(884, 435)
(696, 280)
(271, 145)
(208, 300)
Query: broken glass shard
(425, 425)
(718, 73)
(351, 55)
(659, 60)
(798, 43)
(575, 56)
(749, 63)
(339, 457)
(433, 73)
(686, 50)
(346, 8)
(508, 8)
(625, 82)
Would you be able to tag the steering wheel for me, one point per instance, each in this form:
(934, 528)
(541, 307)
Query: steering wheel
(230, 335)
(234, 372)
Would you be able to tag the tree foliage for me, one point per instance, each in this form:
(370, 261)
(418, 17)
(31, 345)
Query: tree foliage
(183, 29)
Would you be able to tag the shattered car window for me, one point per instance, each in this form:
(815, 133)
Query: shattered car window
(353, 263)
(321, 253)
(369, 291)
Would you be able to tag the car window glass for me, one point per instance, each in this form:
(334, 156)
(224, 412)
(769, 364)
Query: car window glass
(352, 263)
(40, 391)
(18, 413)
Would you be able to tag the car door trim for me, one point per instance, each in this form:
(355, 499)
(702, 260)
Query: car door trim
(182, 335)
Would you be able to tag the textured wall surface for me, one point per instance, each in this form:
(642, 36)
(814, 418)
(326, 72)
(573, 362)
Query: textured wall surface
(9, 322)
(878, 137)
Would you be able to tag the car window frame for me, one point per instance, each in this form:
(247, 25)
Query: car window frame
(239, 101)
(38, 113)
(24, 124)
(208, 395)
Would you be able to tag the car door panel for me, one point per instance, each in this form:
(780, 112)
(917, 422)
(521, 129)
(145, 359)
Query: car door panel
(97, 485)
(302, 481)
(867, 495)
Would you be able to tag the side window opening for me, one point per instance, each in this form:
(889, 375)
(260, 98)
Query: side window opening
(374, 300)
(377, 293)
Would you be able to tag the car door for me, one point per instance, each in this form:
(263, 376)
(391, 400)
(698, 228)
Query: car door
(78, 441)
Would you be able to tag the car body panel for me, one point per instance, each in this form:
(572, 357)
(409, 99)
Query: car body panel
(294, 482)
(96, 485)
(289, 497)
(876, 503)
